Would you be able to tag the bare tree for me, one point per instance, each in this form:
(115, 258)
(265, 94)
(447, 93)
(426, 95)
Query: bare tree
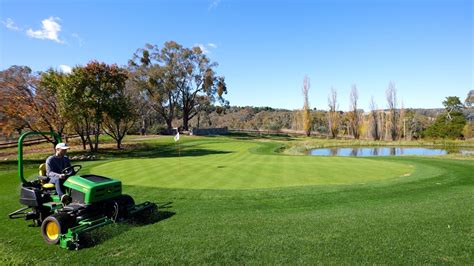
(354, 116)
(381, 118)
(391, 94)
(402, 123)
(306, 112)
(374, 120)
(333, 115)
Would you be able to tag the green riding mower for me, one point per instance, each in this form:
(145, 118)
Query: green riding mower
(95, 201)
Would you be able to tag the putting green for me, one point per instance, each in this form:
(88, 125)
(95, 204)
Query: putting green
(232, 164)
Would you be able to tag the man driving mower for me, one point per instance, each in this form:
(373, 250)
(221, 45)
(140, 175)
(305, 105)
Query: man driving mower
(55, 164)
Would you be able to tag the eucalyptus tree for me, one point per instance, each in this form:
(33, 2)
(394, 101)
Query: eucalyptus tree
(175, 79)
(197, 78)
(153, 75)
(452, 104)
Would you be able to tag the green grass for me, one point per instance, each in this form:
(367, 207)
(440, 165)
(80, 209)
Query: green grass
(264, 207)
(219, 164)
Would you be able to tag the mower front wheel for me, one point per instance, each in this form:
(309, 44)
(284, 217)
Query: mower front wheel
(53, 226)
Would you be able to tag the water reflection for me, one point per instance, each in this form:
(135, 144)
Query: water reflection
(354, 152)
(384, 151)
(393, 151)
(375, 152)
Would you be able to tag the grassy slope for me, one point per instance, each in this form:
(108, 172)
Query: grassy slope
(424, 218)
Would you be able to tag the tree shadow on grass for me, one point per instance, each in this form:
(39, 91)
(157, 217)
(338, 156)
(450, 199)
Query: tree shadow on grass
(134, 150)
(98, 236)
(146, 150)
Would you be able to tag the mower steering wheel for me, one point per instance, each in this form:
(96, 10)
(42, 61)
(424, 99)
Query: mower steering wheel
(71, 170)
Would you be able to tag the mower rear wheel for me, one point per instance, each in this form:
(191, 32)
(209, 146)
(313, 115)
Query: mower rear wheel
(124, 202)
(53, 226)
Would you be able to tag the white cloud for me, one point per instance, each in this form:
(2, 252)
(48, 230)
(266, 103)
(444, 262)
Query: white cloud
(206, 49)
(10, 24)
(49, 31)
(65, 69)
(78, 38)
(214, 4)
(203, 48)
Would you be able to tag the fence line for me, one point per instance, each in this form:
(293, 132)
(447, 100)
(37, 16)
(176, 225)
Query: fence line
(29, 142)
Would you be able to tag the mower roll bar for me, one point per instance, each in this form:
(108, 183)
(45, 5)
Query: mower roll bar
(20, 149)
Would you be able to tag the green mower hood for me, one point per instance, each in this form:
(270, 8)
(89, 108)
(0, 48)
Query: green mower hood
(93, 188)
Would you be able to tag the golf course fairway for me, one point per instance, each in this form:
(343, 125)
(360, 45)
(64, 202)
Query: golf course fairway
(224, 200)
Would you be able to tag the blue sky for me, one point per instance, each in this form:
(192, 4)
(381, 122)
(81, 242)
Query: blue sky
(265, 48)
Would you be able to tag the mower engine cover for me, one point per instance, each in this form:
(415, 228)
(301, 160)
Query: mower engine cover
(89, 189)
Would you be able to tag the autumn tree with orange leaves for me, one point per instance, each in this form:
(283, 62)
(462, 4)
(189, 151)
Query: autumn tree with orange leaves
(94, 99)
(25, 103)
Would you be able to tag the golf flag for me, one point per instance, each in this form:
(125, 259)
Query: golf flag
(176, 138)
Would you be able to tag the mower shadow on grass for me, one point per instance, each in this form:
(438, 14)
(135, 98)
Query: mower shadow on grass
(91, 239)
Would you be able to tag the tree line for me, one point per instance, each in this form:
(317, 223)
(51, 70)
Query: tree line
(391, 122)
(162, 83)
(169, 86)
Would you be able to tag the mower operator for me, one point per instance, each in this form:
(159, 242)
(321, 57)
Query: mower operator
(55, 165)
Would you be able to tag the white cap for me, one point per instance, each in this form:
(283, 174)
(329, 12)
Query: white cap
(62, 146)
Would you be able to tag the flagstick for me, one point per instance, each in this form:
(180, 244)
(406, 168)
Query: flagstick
(176, 139)
(179, 159)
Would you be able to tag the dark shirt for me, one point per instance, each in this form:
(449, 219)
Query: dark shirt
(56, 165)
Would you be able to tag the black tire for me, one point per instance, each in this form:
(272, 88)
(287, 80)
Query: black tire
(124, 202)
(53, 226)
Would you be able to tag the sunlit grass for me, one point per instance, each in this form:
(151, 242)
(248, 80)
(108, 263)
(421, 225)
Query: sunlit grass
(423, 218)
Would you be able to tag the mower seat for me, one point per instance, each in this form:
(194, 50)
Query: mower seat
(48, 186)
(43, 178)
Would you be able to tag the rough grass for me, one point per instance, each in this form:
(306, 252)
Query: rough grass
(426, 217)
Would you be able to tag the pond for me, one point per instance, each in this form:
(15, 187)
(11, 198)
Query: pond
(384, 151)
